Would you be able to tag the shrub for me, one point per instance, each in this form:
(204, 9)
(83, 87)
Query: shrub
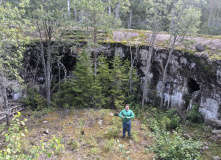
(16, 143)
(95, 150)
(194, 115)
(173, 146)
(109, 144)
(174, 119)
(34, 100)
(92, 141)
(112, 132)
(73, 144)
(102, 113)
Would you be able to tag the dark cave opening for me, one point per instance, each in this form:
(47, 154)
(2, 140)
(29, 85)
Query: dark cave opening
(193, 85)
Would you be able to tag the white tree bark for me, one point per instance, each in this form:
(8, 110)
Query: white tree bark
(68, 4)
(130, 20)
(109, 7)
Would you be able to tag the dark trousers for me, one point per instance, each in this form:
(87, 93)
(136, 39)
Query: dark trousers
(127, 127)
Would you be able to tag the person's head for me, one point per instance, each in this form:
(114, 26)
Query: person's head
(127, 107)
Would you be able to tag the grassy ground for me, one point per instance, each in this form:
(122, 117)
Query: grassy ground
(102, 135)
(102, 139)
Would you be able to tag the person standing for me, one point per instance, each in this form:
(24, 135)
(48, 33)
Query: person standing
(126, 116)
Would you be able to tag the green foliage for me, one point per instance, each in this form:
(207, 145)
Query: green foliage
(95, 150)
(119, 79)
(103, 113)
(194, 115)
(171, 146)
(72, 144)
(81, 123)
(81, 84)
(114, 129)
(122, 149)
(174, 119)
(112, 132)
(16, 146)
(109, 144)
(92, 142)
(34, 100)
(109, 89)
(2, 126)
(12, 39)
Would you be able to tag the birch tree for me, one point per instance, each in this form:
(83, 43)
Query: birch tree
(184, 20)
(156, 11)
(49, 18)
(12, 38)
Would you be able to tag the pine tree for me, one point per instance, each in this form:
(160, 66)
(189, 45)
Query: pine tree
(102, 83)
(83, 80)
(117, 78)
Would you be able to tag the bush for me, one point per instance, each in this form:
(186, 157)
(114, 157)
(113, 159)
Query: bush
(174, 119)
(92, 142)
(34, 100)
(194, 115)
(173, 146)
(17, 146)
(112, 132)
(109, 144)
(95, 150)
(73, 144)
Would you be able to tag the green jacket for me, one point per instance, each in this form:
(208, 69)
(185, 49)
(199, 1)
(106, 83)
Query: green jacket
(126, 114)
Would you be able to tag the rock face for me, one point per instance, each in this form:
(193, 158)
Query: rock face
(191, 78)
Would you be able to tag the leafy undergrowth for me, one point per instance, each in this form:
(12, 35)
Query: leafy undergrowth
(203, 133)
(102, 136)
(101, 139)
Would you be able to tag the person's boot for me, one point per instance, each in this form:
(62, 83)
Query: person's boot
(130, 137)
(123, 137)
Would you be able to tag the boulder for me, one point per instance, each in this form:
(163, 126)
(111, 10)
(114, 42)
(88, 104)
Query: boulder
(214, 123)
(216, 131)
(205, 148)
(216, 158)
(187, 136)
(217, 137)
(46, 131)
(199, 48)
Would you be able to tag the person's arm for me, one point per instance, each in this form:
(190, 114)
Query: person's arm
(120, 114)
(132, 115)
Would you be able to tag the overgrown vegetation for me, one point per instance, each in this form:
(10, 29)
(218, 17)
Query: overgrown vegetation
(108, 89)
(16, 147)
(193, 115)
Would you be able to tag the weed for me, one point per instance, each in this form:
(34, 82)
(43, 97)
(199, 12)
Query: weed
(72, 144)
(112, 132)
(109, 144)
(194, 115)
(92, 142)
(103, 112)
(95, 150)
(2, 126)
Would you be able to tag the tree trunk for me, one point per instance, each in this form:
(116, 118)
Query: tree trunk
(117, 11)
(95, 41)
(165, 71)
(48, 68)
(109, 7)
(4, 93)
(68, 5)
(211, 11)
(130, 20)
(75, 13)
(147, 78)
